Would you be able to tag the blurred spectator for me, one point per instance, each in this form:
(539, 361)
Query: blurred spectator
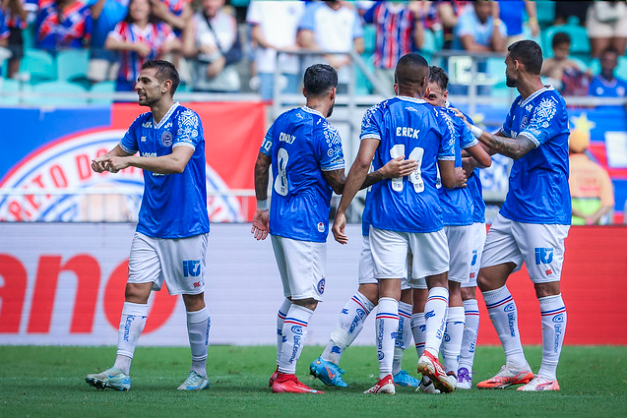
(443, 15)
(566, 9)
(399, 32)
(103, 64)
(606, 84)
(215, 45)
(607, 26)
(478, 31)
(176, 13)
(273, 28)
(62, 24)
(512, 14)
(17, 18)
(591, 189)
(4, 36)
(332, 26)
(139, 37)
(562, 72)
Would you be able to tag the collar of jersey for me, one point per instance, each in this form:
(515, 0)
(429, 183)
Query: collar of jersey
(166, 117)
(536, 94)
(411, 99)
(310, 110)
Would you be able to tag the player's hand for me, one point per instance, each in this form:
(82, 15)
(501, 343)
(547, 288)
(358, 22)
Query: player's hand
(459, 114)
(101, 164)
(142, 49)
(261, 224)
(338, 228)
(460, 177)
(469, 164)
(398, 167)
(118, 163)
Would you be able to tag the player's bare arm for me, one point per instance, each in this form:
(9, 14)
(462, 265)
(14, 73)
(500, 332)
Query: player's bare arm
(448, 174)
(261, 219)
(173, 163)
(514, 148)
(101, 163)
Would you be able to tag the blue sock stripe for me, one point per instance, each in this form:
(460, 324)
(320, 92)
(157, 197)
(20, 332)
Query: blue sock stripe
(295, 321)
(499, 303)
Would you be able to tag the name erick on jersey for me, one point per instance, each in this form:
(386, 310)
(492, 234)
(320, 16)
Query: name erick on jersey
(302, 144)
(419, 131)
(538, 183)
(457, 204)
(174, 205)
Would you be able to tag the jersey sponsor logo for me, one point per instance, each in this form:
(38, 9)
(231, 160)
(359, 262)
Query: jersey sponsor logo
(147, 124)
(544, 255)
(191, 268)
(166, 139)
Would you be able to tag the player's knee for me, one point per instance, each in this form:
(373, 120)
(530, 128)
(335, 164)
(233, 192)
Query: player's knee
(309, 303)
(469, 293)
(370, 291)
(547, 289)
(137, 292)
(194, 303)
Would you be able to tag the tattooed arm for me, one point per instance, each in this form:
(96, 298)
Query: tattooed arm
(514, 148)
(261, 220)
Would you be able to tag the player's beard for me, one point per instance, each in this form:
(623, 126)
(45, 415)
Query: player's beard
(330, 111)
(510, 82)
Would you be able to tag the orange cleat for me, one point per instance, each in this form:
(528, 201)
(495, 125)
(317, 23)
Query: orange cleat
(506, 377)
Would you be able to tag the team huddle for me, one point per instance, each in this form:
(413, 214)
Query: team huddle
(424, 244)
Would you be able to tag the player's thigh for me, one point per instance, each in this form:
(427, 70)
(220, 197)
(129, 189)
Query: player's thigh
(500, 245)
(389, 253)
(184, 264)
(542, 246)
(144, 264)
(279, 255)
(459, 245)
(430, 253)
(305, 263)
(477, 239)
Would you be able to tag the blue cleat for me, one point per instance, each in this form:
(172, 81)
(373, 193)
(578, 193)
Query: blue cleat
(403, 378)
(327, 372)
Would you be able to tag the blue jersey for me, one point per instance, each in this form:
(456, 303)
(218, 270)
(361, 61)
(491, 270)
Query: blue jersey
(600, 87)
(302, 144)
(538, 183)
(419, 131)
(476, 194)
(457, 203)
(174, 205)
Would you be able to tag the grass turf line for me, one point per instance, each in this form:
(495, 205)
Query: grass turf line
(40, 381)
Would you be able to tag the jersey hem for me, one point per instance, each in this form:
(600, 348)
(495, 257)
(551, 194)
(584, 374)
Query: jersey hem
(296, 239)
(535, 221)
(152, 235)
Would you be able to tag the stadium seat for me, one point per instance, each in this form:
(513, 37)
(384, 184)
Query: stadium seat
(580, 43)
(72, 63)
(240, 3)
(102, 88)
(39, 65)
(362, 85)
(370, 39)
(8, 85)
(545, 12)
(60, 92)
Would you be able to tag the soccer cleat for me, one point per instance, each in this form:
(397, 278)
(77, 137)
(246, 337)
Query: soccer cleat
(540, 383)
(327, 372)
(385, 385)
(426, 386)
(194, 382)
(290, 384)
(506, 377)
(403, 378)
(110, 378)
(273, 377)
(429, 365)
(464, 378)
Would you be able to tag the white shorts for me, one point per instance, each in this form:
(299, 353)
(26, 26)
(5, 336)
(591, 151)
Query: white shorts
(302, 266)
(430, 254)
(539, 246)
(366, 266)
(459, 240)
(179, 262)
(613, 29)
(477, 239)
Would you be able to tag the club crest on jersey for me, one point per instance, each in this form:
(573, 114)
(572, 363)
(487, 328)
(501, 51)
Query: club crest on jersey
(166, 138)
(321, 285)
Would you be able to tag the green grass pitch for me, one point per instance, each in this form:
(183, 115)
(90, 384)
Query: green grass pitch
(49, 381)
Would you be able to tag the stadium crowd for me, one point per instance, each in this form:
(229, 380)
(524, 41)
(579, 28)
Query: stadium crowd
(230, 46)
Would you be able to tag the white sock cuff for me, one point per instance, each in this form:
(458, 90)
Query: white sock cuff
(439, 292)
(300, 312)
(456, 314)
(417, 320)
(495, 296)
(285, 306)
(471, 305)
(551, 303)
(137, 309)
(405, 307)
(198, 316)
(364, 301)
(387, 303)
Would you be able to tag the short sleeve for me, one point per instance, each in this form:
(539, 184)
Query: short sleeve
(129, 141)
(358, 30)
(266, 145)
(446, 149)
(543, 124)
(189, 129)
(118, 32)
(465, 25)
(253, 16)
(370, 13)
(329, 149)
(371, 124)
(307, 20)
(467, 139)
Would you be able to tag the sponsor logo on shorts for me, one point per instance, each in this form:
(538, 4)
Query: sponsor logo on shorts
(544, 255)
(321, 285)
(196, 284)
(474, 258)
(191, 268)
(549, 272)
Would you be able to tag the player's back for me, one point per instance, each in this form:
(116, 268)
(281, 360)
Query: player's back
(302, 144)
(414, 129)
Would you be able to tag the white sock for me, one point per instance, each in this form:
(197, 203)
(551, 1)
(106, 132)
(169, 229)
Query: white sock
(350, 324)
(386, 328)
(453, 336)
(285, 306)
(418, 328)
(198, 325)
(294, 334)
(504, 316)
(471, 329)
(403, 336)
(132, 323)
(553, 328)
(435, 319)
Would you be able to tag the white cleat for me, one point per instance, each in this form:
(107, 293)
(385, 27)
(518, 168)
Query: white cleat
(540, 383)
(111, 378)
(426, 386)
(385, 385)
(194, 382)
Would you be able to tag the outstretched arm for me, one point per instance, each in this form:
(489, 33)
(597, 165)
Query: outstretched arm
(514, 148)
(173, 163)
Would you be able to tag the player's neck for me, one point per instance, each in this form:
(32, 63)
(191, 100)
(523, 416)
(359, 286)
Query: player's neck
(411, 93)
(160, 108)
(529, 86)
(319, 106)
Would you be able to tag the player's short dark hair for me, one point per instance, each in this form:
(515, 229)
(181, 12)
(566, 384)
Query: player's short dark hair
(438, 76)
(411, 69)
(165, 71)
(528, 53)
(560, 38)
(319, 79)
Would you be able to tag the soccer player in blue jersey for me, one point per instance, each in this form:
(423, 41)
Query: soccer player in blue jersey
(533, 222)
(170, 242)
(305, 153)
(405, 213)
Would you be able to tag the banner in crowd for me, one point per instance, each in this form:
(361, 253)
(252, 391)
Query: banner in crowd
(64, 284)
(53, 149)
